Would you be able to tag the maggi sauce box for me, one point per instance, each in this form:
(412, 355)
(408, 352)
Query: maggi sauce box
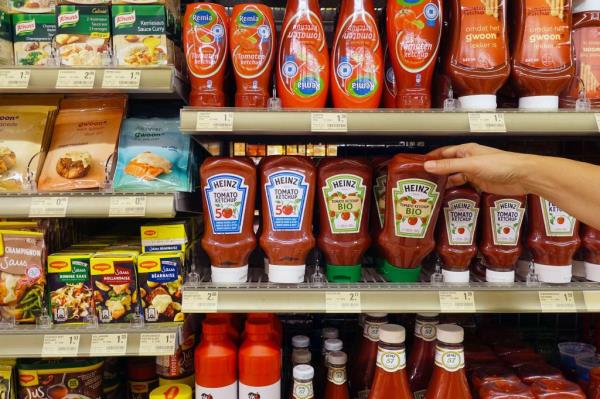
(160, 276)
(164, 237)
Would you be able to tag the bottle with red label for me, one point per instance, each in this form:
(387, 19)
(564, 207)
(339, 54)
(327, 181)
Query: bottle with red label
(205, 43)
(363, 365)
(553, 239)
(303, 59)
(356, 57)
(590, 239)
(336, 386)
(414, 29)
(252, 48)
(422, 355)
(389, 90)
(456, 233)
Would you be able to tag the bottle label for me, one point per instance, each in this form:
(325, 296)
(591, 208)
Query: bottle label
(371, 330)
(379, 192)
(228, 392)
(587, 51)
(482, 34)
(208, 37)
(336, 375)
(226, 196)
(267, 392)
(461, 221)
(450, 360)
(426, 330)
(286, 195)
(303, 55)
(547, 34)
(302, 390)
(391, 360)
(252, 43)
(418, 25)
(420, 394)
(357, 56)
(344, 201)
(557, 222)
(507, 216)
(414, 201)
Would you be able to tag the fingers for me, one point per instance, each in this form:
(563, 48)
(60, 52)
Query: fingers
(450, 166)
(456, 180)
(462, 151)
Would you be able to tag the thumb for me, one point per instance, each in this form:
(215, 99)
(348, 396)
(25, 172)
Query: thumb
(449, 166)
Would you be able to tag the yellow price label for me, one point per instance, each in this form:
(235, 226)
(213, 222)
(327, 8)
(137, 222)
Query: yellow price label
(457, 301)
(557, 301)
(108, 345)
(157, 344)
(60, 345)
(199, 301)
(343, 302)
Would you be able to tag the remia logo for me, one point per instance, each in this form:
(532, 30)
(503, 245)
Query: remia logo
(249, 18)
(203, 17)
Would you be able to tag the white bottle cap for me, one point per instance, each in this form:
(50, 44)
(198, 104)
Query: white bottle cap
(492, 276)
(229, 274)
(430, 314)
(330, 332)
(286, 273)
(578, 268)
(337, 358)
(450, 333)
(377, 315)
(554, 274)
(455, 277)
(592, 271)
(539, 103)
(478, 102)
(585, 5)
(301, 356)
(333, 344)
(300, 341)
(392, 334)
(303, 372)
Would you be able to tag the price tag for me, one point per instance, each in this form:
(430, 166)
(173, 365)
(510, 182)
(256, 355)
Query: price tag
(157, 344)
(214, 121)
(60, 345)
(328, 122)
(557, 301)
(592, 300)
(343, 302)
(127, 206)
(14, 78)
(108, 344)
(457, 301)
(75, 79)
(486, 123)
(199, 301)
(121, 79)
(48, 207)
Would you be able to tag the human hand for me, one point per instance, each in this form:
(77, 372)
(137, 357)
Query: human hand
(487, 169)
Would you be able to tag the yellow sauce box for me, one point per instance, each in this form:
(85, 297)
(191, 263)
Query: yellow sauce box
(164, 237)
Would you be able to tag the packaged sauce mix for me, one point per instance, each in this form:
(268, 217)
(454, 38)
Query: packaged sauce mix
(160, 276)
(70, 287)
(164, 237)
(6, 53)
(28, 6)
(7, 386)
(32, 38)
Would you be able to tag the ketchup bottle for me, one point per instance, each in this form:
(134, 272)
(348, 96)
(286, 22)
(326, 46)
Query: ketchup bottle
(336, 386)
(303, 385)
(390, 380)
(551, 388)
(363, 366)
(330, 345)
(449, 380)
(303, 60)
(414, 29)
(232, 331)
(356, 57)
(477, 62)
(252, 38)
(378, 205)
(216, 362)
(542, 63)
(229, 188)
(287, 215)
(205, 45)
(553, 238)
(591, 252)
(412, 205)
(344, 210)
(274, 323)
(505, 389)
(500, 244)
(389, 91)
(421, 359)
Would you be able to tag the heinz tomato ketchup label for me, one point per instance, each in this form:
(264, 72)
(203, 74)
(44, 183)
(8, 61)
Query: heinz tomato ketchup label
(226, 197)
(286, 195)
(507, 216)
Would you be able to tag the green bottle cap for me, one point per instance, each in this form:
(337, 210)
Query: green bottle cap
(398, 275)
(343, 273)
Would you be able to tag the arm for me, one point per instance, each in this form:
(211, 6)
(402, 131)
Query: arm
(571, 185)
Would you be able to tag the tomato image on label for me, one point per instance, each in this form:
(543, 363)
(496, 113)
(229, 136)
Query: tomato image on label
(507, 216)
(344, 198)
(557, 222)
(414, 201)
(226, 199)
(461, 218)
(286, 196)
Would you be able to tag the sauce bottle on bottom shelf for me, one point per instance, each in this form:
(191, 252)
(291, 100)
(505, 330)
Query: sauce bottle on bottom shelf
(553, 238)
(505, 389)
(302, 75)
(477, 62)
(363, 365)
(456, 233)
(556, 388)
(422, 355)
(411, 209)
(356, 57)
(449, 380)
(303, 384)
(205, 46)
(345, 185)
(301, 356)
(541, 62)
(329, 345)
(229, 188)
(232, 331)
(390, 380)
(252, 46)
(287, 215)
(590, 239)
(414, 30)
(500, 244)
(275, 325)
(336, 386)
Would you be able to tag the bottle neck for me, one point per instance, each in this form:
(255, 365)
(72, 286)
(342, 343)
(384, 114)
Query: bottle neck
(303, 389)
(425, 328)
(258, 337)
(450, 357)
(391, 357)
(371, 329)
(336, 374)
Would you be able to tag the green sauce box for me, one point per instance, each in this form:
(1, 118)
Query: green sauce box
(32, 37)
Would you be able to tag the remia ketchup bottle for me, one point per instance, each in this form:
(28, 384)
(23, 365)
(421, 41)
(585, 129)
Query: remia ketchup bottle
(252, 45)
(356, 57)
(205, 43)
(591, 252)
(303, 60)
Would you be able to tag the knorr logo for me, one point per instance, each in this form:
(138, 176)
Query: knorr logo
(101, 267)
(149, 264)
(70, 18)
(23, 28)
(125, 19)
(59, 265)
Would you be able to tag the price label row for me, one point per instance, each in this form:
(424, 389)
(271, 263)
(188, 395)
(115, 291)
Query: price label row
(75, 79)
(119, 206)
(325, 122)
(108, 344)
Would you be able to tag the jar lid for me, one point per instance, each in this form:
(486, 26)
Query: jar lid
(333, 344)
(337, 358)
(172, 391)
(450, 333)
(392, 334)
(303, 372)
(300, 341)
(330, 332)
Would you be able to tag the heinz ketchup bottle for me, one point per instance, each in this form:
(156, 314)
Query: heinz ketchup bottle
(336, 386)
(363, 366)
(591, 252)
(303, 382)
(421, 359)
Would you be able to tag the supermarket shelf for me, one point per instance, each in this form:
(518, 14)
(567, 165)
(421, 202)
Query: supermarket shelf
(28, 341)
(390, 123)
(96, 204)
